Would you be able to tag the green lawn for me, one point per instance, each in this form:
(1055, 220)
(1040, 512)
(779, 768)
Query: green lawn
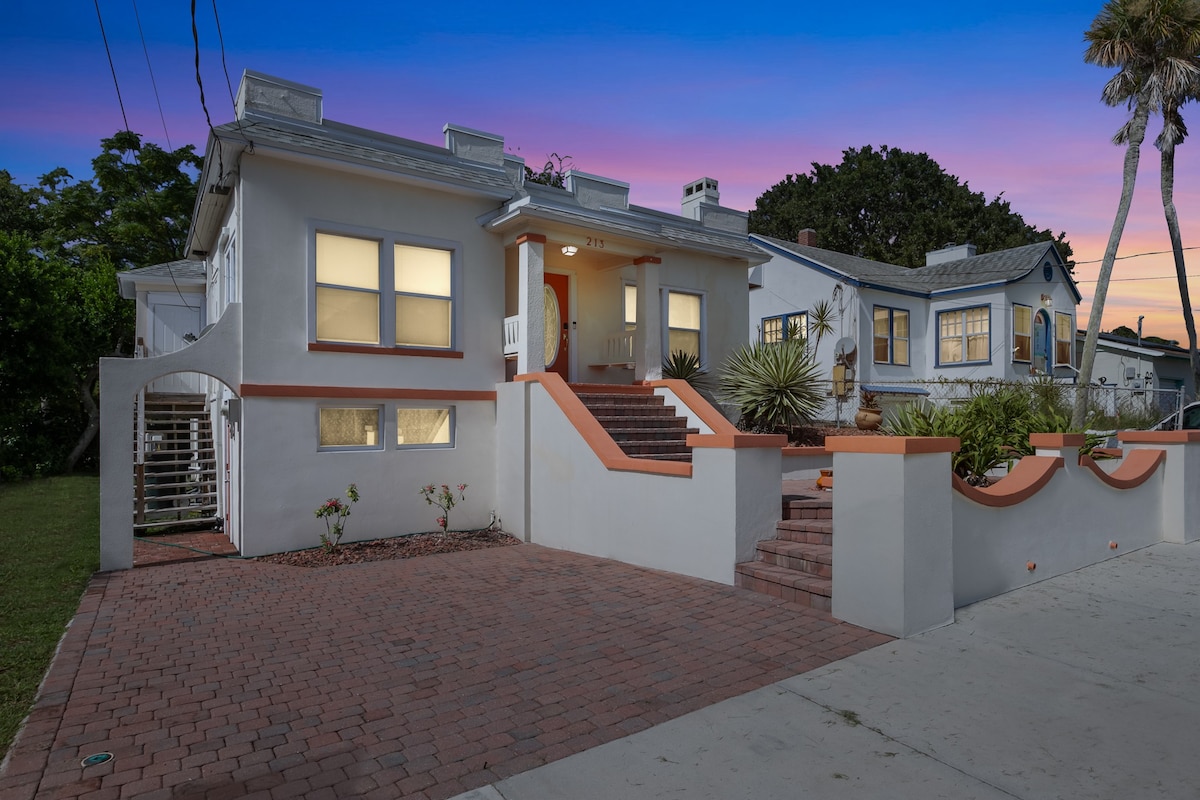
(49, 547)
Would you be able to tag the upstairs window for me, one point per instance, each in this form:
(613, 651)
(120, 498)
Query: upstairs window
(964, 336)
(356, 275)
(891, 335)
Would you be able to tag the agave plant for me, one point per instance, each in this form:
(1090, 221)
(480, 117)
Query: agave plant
(684, 366)
(773, 385)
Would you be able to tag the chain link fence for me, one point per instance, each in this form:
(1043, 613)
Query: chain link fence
(1110, 407)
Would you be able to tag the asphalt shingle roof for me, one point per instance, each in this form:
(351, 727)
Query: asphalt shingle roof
(1002, 266)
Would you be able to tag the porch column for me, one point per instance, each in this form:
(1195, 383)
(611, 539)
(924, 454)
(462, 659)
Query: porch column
(647, 338)
(531, 272)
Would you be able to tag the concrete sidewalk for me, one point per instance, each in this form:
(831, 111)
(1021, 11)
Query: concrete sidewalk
(1085, 685)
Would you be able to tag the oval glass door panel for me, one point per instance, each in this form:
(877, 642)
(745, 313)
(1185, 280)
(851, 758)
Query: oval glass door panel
(553, 324)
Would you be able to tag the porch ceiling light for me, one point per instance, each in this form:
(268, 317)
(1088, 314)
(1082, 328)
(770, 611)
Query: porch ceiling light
(569, 250)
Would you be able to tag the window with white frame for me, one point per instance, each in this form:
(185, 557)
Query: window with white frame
(964, 335)
(1064, 335)
(353, 276)
(890, 335)
(349, 428)
(784, 327)
(416, 427)
(684, 317)
(1022, 333)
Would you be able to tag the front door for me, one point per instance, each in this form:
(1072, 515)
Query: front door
(558, 316)
(1041, 336)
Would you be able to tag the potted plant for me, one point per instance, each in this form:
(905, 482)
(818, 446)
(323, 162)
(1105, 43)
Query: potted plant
(870, 415)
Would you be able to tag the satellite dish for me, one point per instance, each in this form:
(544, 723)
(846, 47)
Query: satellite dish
(845, 351)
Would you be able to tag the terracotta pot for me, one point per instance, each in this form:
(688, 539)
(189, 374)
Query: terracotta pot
(868, 419)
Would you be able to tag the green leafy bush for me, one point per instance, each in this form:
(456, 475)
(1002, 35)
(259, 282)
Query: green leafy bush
(773, 385)
(993, 426)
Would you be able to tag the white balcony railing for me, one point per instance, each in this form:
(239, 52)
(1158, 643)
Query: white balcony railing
(618, 349)
(512, 335)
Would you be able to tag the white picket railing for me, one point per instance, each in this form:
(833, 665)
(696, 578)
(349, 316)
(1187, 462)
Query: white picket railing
(512, 335)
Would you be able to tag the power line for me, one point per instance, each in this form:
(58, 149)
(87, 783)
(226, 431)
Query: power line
(1137, 255)
(1145, 278)
(224, 66)
(203, 104)
(104, 36)
(153, 83)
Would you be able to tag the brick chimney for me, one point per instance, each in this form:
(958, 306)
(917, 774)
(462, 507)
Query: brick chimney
(807, 237)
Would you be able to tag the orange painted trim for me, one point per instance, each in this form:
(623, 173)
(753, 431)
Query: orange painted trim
(361, 392)
(802, 452)
(373, 350)
(736, 441)
(1159, 437)
(593, 433)
(647, 260)
(531, 237)
(1026, 479)
(1135, 470)
(699, 406)
(1057, 441)
(892, 445)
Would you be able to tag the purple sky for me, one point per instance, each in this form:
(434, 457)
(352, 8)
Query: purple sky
(655, 94)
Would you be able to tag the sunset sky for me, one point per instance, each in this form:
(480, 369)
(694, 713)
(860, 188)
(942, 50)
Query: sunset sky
(654, 94)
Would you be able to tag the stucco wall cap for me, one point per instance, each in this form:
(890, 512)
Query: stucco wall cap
(1051, 440)
(892, 445)
(736, 441)
(1158, 437)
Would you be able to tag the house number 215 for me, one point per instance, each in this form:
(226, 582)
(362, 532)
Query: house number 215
(592, 241)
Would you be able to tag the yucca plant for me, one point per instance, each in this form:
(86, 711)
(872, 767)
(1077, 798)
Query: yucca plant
(773, 385)
(684, 366)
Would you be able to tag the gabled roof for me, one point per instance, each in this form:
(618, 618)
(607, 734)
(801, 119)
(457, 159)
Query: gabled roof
(975, 272)
(175, 273)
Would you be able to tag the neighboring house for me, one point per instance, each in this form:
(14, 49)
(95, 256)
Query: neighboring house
(1004, 315)
(171, 313)
(1146, 374)
(368, 296)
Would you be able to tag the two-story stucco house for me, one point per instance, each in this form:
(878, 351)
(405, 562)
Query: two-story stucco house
(369, 302)
(1004, 315)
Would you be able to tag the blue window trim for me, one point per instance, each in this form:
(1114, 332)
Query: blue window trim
(783, 324)
(1070, 341)
(891, 336)
(965, 363)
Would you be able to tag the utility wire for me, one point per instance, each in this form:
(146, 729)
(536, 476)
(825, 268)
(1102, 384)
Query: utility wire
(153, 83)
(1137, 255)
(228, 83)
(203, 104)
(111, 66)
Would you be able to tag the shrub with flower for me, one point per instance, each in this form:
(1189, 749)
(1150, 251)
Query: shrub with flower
(334, 512)
(444, 499)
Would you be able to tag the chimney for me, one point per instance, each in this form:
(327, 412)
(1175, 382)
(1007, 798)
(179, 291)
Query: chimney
(807, 237)
(949, 252)
(699, 192)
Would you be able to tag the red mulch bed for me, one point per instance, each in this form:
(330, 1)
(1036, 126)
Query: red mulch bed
(417, 544)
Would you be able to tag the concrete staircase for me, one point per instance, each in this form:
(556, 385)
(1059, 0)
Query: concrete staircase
(638, 420)
(797, 565)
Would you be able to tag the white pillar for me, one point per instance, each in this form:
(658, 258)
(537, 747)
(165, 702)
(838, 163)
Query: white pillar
(531, 272)
(647, 339)
(1181, 482)
(893, 544)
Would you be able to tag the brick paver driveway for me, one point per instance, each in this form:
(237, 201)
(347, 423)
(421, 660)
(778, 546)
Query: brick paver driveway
(420, 678)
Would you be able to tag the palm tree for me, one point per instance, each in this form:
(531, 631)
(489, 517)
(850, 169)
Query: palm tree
(1173, 133)
(1153, 45)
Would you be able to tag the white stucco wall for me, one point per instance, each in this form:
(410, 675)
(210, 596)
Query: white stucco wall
(699, 526)
(281, 205)
(285, 477)
(1066, 525)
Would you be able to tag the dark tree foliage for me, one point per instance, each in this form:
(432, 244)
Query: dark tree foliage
(892, 206)
(61, 244)
(553, 172)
